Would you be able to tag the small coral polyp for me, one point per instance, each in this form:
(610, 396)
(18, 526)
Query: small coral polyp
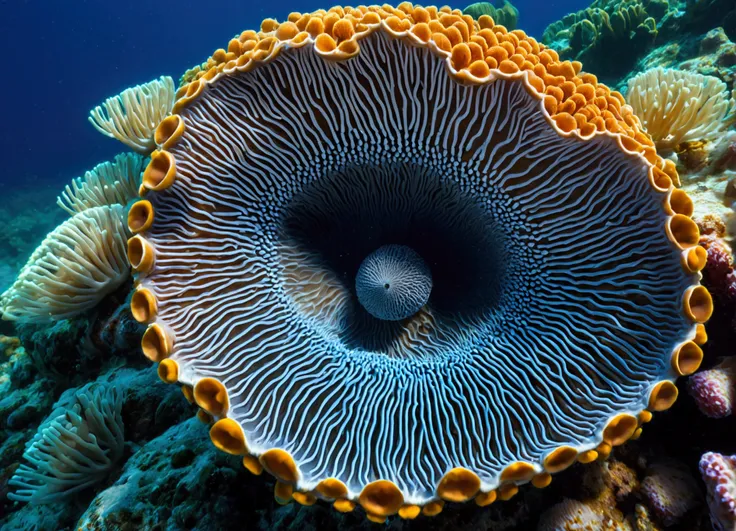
(564, 296)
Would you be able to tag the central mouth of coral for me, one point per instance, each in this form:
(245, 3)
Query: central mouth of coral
(394, 259)
(393, 283)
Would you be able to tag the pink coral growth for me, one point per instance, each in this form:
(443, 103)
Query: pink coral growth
(714, 390)
(670, 492)
(719, 274)
(719, 474)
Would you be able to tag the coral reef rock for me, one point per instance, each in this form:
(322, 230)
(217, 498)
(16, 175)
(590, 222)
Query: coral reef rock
(670, 492)
(616, 37)
(573, 515)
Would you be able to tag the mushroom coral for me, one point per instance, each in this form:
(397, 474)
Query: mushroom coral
(564, 294)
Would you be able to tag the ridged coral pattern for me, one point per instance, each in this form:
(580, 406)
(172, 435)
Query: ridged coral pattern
(476, 51)
(279, 161)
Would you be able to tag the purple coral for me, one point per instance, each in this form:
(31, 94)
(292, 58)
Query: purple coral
(714, 390)
(670, 492)
(719, 474)
(719, 275)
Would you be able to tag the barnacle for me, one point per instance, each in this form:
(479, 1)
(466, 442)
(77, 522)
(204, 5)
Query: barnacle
(677, 106)
(133, 115)
(564, 295)
(108, 183)
(75, 267)
(75, 448)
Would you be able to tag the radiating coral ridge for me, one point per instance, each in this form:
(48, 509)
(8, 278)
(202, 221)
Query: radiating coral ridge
(564, 296)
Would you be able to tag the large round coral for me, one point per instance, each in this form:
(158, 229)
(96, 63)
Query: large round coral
(393, 283)
(564, 265)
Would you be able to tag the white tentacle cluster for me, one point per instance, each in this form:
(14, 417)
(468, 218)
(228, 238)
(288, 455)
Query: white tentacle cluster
(133, 115)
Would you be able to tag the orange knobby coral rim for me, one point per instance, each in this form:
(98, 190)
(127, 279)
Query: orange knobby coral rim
(575, 103)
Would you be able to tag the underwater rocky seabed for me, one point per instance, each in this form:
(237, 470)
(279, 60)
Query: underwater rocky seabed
(168, 474)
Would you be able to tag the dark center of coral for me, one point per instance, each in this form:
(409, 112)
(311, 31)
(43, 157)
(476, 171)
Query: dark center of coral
(394, 258)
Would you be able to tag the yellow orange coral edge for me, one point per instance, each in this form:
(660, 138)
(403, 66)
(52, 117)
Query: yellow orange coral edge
(475, 52)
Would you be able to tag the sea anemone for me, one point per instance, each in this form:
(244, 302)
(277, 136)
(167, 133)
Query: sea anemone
(75, 448)
(133, 115)
(548, 267)
(73, 269)
(108, 183)
(677, 106)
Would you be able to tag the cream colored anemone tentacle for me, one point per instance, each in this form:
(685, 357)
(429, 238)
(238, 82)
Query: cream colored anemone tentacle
(133, 115)
(75, 448)
(108, 183)
(677, 106)
(73, 269)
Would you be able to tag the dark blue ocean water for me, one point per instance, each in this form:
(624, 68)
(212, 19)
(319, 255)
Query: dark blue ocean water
(61, 58)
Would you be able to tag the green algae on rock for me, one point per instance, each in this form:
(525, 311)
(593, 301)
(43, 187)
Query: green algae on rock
(610, 36)
(504, 14)
(607, 36)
